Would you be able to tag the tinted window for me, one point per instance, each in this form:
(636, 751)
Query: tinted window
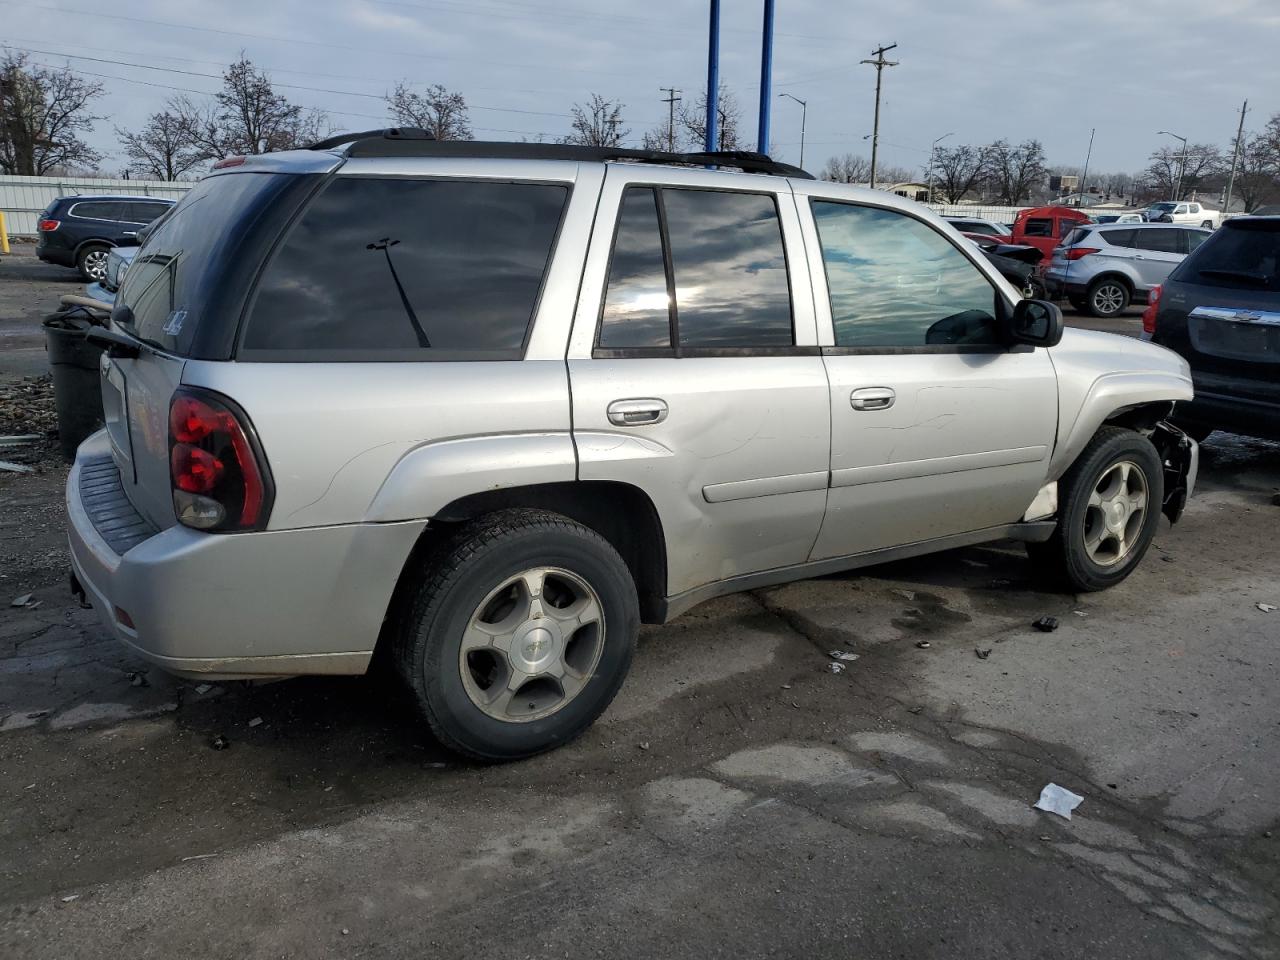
(94, 210)
(142, 211)
(1194, 238)
(396, 268)
(730, 269)
(1119, 238)
(1242, 254)
(896, 282)
(1038, 227)
(636, 307)
(1159, 241)
(170, 281)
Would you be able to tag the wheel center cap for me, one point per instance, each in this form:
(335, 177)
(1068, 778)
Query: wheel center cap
(1117, 513)
(536, 646)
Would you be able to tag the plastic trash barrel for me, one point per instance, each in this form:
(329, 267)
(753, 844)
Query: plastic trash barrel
(77, 392)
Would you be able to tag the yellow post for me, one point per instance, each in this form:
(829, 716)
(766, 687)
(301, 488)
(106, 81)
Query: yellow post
(4, 235)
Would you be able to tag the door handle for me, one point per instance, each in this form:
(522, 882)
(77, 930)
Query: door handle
(872, 398)
(637, 413)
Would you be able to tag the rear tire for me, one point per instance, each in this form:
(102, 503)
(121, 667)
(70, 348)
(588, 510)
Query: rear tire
(520, 634)
(91, 261)
(1107, 297)
(1077, 302)
(1207, 225)
(1100, 537)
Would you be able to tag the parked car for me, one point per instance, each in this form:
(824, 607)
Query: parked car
(1017, 263)
(1119, 218)
(1188, 211)
(978, 227)
(1101, 269)
(1045, 227)
(1220, 309)
(481, 409)
(79, 231)
(118, 260)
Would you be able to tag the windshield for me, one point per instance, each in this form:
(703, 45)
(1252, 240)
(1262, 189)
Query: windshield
(1244, 255)
(174, 273)
(1163, 207)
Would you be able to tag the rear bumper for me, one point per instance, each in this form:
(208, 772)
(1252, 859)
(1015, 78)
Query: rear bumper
(55, 253)
(1253, 418)
(275, 603)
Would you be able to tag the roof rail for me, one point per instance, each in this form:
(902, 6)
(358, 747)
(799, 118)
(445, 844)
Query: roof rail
(410, 142)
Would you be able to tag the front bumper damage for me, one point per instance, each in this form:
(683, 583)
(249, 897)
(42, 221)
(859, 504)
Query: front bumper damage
(1180, 456)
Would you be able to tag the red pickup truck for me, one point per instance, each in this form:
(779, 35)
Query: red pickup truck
(1045, 227)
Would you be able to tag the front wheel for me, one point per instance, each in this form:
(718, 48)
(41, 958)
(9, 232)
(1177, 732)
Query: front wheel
(520, 634)
(1109, 509)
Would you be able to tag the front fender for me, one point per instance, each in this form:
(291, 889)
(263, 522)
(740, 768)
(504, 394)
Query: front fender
(431, 476)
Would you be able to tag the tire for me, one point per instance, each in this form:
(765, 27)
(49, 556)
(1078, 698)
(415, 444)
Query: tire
(91, 261)
(1207, 225)
(1078, 302)
(477, 584)
(1066, 557)
(1107, 297)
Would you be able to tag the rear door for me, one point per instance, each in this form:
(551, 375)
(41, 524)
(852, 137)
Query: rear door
(1158, 251)
(938, 428)
(695, 370)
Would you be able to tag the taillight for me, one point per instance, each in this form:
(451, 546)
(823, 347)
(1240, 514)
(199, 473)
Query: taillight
(1075, 253)
(219, 477)
(1149, 314)
(48, 226)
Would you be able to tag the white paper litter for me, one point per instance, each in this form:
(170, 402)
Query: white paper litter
(844, 655)
(1266, 607)
(834, 667)
(1059, 800)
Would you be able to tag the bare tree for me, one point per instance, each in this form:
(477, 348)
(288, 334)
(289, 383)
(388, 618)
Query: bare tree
(598, 123)
(1257, 179)
(1015, 171)
(442, 113)
(247, 116)
(692, 122)
(164, 149)
(847, 168)
(1203, 165)
(958, 170)
(1116, 184)
(42, 113)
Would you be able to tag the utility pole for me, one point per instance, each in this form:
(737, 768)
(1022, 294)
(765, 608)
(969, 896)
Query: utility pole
(713, 79)
(804, 110)
(1235, 158)
(671, 100)
(1084, 177)
(879, 62)
(766, 78)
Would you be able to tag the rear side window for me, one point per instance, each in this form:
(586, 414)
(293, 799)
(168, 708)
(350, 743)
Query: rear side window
(94, 210)
(1038, 227)
(728, 272)
(142, 211)
(398, 269)
(1160, 241)
(1243, 255)
(1119, 238)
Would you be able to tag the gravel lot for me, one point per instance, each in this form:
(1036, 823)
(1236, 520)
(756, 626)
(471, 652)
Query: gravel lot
(737, 800)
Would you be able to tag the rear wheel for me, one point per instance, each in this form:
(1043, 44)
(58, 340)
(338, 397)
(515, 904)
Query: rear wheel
(1078, 302)
(520, 634)
(1107, 297)
(1207, 225)
(91, 261)
(1109, 509)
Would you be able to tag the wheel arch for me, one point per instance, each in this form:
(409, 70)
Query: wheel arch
(1114, 274)
(92, 242)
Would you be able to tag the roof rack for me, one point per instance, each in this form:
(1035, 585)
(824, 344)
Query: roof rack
(412, 142)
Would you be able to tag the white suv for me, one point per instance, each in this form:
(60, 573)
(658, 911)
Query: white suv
(481, 409)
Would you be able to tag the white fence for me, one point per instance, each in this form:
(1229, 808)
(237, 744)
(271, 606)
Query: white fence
(1007, 214)
(22, 198)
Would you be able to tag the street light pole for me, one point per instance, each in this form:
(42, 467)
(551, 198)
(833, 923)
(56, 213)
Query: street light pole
(1182, 167)
(933, 152)
(804, 110)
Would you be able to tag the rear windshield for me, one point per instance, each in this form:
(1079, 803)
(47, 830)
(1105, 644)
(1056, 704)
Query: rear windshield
(178, 273)
(1243, 254)
(407, 269)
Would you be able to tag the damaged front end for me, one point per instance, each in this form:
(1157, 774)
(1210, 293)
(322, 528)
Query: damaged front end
(1180, 456)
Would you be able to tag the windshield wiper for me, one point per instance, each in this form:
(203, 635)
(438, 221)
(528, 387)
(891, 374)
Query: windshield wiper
(122, 317)
(1261, 279)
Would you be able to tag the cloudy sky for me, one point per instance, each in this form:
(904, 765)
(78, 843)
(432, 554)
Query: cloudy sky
(980, 69)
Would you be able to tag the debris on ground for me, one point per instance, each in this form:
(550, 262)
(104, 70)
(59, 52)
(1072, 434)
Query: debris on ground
(1079, 613)
(255, 722)
(917, 710)
(12, 467)
(1046, 624)
(198, 856)
(220, 742)
(643, 744)
(982, 652)
(1266, 607)
(923, 644)
(1058, 800)
(138, 680)
(844, 655)
(833, 667)
(71, 897)
(203, 688)
(23, 601)
(906, 594)
(28, 424)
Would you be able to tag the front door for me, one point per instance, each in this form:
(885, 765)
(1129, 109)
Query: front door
(695, 370)
(938, 427)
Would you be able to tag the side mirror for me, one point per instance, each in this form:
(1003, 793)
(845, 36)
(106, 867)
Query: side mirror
(1036, 322)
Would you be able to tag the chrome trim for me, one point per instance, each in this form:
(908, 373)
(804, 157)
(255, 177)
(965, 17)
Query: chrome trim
(1236, 315)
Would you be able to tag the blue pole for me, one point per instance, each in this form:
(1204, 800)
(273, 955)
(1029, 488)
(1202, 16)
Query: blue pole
(713, 80)
(766, 77)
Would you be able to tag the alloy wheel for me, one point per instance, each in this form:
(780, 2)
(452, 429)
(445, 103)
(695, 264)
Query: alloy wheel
(95, 264)
(1108, 299)
(1115, 514)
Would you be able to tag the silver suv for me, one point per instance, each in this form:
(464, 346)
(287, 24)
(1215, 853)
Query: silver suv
(482, 409)
(1103, 268)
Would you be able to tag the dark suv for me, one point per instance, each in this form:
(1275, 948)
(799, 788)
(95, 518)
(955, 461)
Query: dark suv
(1220, 309)
(78, 231)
